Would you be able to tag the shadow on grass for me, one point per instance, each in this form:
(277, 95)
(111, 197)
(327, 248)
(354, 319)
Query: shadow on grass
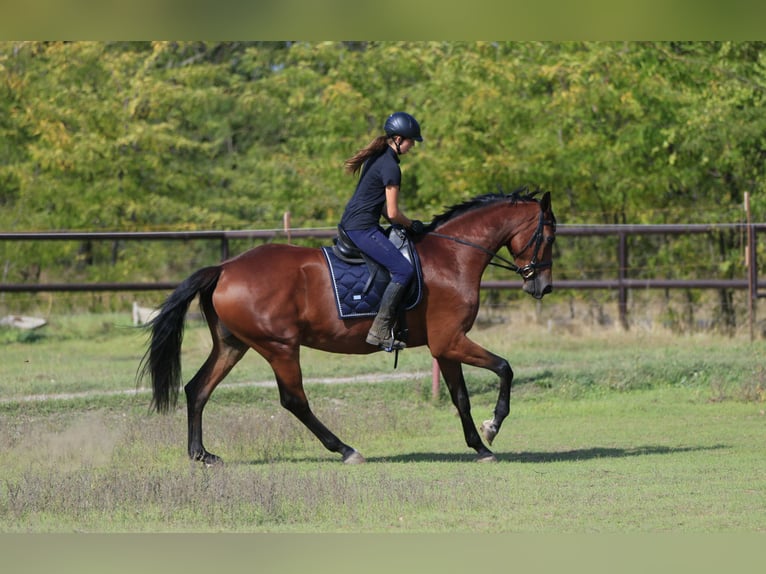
(522, 457)
(553, 456)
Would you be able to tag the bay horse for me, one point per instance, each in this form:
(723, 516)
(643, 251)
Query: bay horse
(275, 298)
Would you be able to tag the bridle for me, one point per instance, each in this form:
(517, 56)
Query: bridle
(529, 270)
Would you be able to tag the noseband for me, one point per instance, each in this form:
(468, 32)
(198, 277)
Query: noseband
(530, 269)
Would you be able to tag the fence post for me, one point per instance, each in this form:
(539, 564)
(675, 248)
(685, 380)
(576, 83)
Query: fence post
(752, 272)
(286, 226)
(434, 379)
(622, 256)
(224, 248)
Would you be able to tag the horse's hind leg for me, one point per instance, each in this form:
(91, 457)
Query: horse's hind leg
(227, 351)
(287, 370)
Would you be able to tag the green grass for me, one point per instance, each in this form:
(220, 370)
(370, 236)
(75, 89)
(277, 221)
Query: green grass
(609, 432)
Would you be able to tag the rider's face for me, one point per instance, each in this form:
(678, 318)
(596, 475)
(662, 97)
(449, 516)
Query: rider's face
(405, 144)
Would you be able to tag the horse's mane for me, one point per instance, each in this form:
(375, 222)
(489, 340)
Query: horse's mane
(520, 194)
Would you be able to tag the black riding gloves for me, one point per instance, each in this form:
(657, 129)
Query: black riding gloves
(417, 227)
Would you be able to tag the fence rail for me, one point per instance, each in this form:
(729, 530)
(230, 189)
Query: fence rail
(622, 283)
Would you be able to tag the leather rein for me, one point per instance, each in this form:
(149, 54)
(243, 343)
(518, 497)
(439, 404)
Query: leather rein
(527, 271)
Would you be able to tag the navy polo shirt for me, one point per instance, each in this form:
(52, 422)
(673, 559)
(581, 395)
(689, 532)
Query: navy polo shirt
(365, 207)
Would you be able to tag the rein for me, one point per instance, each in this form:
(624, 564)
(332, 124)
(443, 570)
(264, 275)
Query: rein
(506, 264)
(528, 271)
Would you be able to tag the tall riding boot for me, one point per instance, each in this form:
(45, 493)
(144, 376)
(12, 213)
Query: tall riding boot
(381, 333)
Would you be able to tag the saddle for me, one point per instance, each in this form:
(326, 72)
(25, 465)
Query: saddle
(345, 250)
(358, 281)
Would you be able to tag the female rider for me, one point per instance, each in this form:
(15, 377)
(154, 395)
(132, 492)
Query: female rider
(376, 194)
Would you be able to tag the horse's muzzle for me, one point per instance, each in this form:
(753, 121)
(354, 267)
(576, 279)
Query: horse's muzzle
(538, 286)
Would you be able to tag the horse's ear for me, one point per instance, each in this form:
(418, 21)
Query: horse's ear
(545, 201)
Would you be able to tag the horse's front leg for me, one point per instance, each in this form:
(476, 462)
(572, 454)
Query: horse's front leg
(453, 377)
(502, 369)
(466, 351)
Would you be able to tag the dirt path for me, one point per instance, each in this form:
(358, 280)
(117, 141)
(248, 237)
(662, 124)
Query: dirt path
(372, 378)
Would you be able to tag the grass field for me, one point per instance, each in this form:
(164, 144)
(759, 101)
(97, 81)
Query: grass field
(609, 432)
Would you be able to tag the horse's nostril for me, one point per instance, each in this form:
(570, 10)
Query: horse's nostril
(547, 289)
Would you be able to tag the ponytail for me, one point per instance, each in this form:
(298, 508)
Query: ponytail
(374, 148)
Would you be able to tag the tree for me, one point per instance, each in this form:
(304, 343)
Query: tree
(196, 135)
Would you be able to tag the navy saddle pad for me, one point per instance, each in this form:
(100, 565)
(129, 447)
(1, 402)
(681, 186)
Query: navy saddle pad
(356, 295)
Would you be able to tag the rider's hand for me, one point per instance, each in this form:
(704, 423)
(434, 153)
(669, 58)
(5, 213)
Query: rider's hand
(417, 227)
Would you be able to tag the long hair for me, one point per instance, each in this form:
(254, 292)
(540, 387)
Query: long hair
(373, 149)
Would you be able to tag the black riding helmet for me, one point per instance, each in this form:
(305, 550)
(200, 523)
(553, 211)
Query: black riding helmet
(403, 124)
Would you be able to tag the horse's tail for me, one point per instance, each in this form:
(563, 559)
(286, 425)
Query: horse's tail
(162, 361)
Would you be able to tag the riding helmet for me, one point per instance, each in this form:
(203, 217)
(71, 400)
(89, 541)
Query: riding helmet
(403, 124)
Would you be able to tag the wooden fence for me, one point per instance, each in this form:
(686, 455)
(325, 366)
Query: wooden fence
(621, 283)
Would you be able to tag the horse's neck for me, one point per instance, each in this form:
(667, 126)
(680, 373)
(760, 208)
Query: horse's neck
(490, 230)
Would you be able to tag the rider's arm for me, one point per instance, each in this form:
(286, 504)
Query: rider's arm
(392, 211)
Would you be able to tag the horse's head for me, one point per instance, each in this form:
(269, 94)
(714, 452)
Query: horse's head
(527, 228)
(532, 250)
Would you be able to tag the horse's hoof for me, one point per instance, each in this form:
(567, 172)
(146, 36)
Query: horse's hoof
(489, 430)
(486, 458)
(208, 459)
(354, 458)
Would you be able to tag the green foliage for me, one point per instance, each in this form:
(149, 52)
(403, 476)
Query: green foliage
(199, 135)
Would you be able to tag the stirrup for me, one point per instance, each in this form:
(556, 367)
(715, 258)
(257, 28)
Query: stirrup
(393, 344)
(389, 344)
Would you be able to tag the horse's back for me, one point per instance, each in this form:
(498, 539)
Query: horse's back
(282, 294)
(272, 267)
(267, 287)
(275, 254)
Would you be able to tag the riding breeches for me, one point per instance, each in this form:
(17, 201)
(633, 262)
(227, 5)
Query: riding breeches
(377, 246)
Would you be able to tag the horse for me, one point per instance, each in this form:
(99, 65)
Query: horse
(275, 298)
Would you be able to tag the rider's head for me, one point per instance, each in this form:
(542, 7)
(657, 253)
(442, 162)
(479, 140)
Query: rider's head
(403, 124)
